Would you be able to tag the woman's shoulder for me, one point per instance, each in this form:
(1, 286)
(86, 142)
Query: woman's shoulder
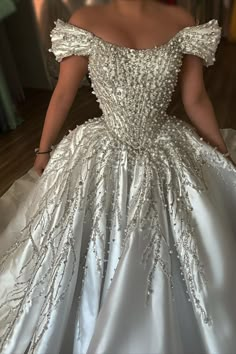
(181, 16)
(91, 17)
(86, 16)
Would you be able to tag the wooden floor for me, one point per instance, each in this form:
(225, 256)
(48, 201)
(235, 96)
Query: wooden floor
(17, 146)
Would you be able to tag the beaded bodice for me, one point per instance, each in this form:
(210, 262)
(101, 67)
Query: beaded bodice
(119, 207)
(134, 86)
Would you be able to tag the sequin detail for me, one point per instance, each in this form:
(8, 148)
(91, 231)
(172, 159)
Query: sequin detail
(201, 40)
(134, 133)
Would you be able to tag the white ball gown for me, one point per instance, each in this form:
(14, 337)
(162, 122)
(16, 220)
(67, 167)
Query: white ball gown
(127, 242)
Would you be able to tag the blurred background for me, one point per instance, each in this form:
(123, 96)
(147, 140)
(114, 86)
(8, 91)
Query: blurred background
(28, 74)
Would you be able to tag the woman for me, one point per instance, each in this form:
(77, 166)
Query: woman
(126, 244)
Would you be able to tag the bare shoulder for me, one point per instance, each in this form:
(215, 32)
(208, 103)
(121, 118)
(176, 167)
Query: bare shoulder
(177, 15)
(182, 16)
(91, 17)
(85, 16)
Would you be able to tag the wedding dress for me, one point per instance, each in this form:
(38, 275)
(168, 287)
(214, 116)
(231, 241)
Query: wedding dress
(127, 242)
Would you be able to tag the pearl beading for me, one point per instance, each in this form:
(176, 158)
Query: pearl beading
(80, 189)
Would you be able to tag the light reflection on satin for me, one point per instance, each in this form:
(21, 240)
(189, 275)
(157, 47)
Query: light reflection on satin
(117, 321)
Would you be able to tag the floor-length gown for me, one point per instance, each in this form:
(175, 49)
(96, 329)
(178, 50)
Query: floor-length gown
(127, 242)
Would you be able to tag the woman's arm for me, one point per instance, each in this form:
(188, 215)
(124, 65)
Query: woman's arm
(197, 103)
(72, 71)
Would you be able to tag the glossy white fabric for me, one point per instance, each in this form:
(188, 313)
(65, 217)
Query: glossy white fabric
(123, 324)
(73, 242)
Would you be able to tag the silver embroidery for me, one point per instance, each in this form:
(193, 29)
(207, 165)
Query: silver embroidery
(134, 89)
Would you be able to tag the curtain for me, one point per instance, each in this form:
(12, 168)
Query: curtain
(49, 11)
(8, 117)
(206, 10)
(232, 31)
(7, 7)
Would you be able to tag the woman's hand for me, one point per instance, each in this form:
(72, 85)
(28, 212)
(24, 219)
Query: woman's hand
(40, 163)
(232, 161)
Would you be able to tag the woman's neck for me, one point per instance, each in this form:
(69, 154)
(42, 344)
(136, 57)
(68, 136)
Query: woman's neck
(134, 8)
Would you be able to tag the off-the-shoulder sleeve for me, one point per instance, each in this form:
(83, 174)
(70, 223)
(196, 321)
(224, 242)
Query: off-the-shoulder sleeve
(67, 40)
(202, 41)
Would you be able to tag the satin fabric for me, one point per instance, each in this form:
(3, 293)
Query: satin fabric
(113, 317)
(126, 243)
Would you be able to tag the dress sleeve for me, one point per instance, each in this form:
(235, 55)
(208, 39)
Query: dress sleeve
(67, 40)
(202, 41)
